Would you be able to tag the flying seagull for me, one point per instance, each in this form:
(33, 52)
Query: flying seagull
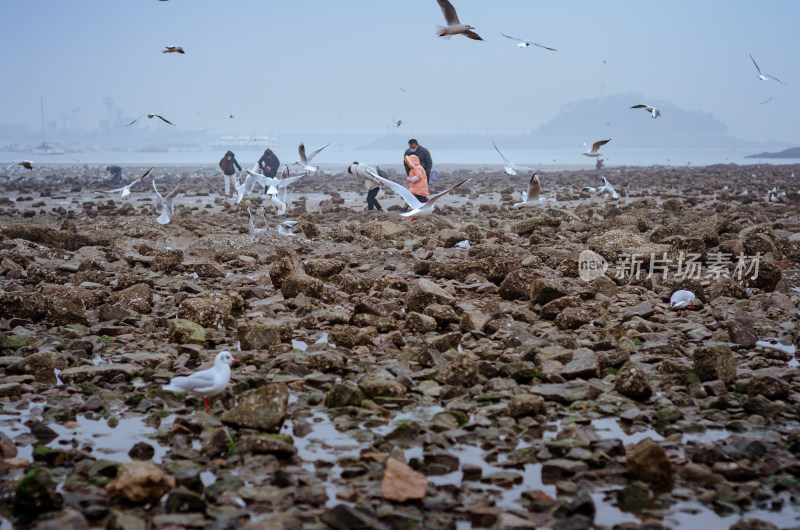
(530, 198)
(247, 186)
(285, 228)
(151, 115)
(526, 43)
(595, 146)
(166, 207)
(304, 162)
(398, 123)
(649, 108)
(765, 77)
(126, 189)
(173, 49)
(208, 382)
(256, 232)
(454, 27)
(418, 209)
(510, 167)
(605, 189)
(27, 164)
(277, 188)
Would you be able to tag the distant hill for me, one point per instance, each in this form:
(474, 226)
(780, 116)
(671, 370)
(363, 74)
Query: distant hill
(792, 152)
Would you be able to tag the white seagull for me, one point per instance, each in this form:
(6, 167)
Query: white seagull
(166, 207)
(277, 188)
(126, 189)
(511, 168)
(595, 146)
(649, 108)
(255, 232)
(765, 77)
(530, 198)
(247, 186)
(305, 162)
(526, 43)
(454, 27)
(27, 164)
(151, 115)
(418, 209)
(681, 300)
(606, 188)
(285, 228)
(209, 382)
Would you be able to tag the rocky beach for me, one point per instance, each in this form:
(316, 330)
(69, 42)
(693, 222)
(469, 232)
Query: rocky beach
(392, 376)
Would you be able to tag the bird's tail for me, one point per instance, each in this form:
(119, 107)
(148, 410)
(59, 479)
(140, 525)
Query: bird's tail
(440, 31)
(170, 388)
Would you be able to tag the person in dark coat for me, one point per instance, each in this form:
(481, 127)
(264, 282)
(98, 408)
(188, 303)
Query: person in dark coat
(116, 174)
(268, 164)
(227, 165)
(424, 157)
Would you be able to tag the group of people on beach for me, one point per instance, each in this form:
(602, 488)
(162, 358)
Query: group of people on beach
(416, 160)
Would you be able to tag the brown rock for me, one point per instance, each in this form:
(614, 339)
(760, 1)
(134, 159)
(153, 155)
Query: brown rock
(261, 333)
(632, 381)
(402, 483)
(424, 292)
(209, 310)
(140, 482)
(137, 298)
(544, 290)
(302, 283)
(714, 361)
(648, 462)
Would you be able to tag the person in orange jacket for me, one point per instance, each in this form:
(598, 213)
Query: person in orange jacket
(417, 179)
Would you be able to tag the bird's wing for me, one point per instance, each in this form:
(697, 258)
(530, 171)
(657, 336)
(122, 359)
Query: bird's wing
(137, 119)
(170, 200)
(115, 190)
(510, 37)
(302, 150)
(534, 188)
(754, 62)
(589, 188)
(439, 195)
(267, 229)
(162, 118)
(250, 181)
(282, 183)
(472, 35)
(282, 190)
(288, 224)
(450, 15)
(639, 106)
(498, 150)
(545, 47)
(196, 381)
(131, 184)
(312, 155)
(398, 189)
(266, 181)
(252, 226)
(159, 198)
(598, 144)
(775, 79)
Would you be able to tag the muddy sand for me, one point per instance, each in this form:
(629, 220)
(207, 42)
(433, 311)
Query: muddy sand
(391, 377)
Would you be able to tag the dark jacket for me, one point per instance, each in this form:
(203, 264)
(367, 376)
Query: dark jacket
(424, 159)
(227, 165)
(269, 163)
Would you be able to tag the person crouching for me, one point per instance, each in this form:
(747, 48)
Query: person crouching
(362, 173)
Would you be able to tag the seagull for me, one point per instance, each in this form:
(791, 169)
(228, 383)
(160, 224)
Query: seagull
(526, 43)
(531, 198)
(607, 188)
(254, 232)
(682, 300)
(766, 100)
(595, 146)
(304, 162)
(165, 206)
(765, 77)
(27, 164)
(510, 167)
(649, 108)
(454, 27)
(742, 193)
(418, 209)
(126, 190)
(151, 115)
(398, 123)
(230, 116)
(277, 188)
(285, 228)
(172, 49)
(247, 186)
(773, 195)
(209, 382)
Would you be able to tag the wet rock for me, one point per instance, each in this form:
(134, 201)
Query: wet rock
(420, 323)
(544, 290)
(422, 293)
(182, 331)
(22, 304)
(462, 371)
(381, 323)
(345, 336)
(526, 405)
(327, 362)
(261, 333)
(36, 494)
(517, 285)
(142, 451)
(137, 298)
(751, 523)
(769, 386)
(182, 500)
(734, 471)
(64, 309)
(344, 517)
(552, 309)
(125, 521)
(302, 283)
(572, 318)
(140, 482)
(643, 310)
(401, 483)
(566, 393)
(381, 387)
(344, 394)
(323, 268)
(270, 445)
(109, 372)
(41, 364)
(584, 365)
(648, 462)
(68, 519)
(108, 312)
(559, 469)
(263, 408)
(714, 361)
(211, 310)
(633, 382)
(741, 330)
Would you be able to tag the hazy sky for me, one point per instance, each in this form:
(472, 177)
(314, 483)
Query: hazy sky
(319, 66)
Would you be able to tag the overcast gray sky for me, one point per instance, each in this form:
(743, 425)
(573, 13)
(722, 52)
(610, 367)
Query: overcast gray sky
(317, 66)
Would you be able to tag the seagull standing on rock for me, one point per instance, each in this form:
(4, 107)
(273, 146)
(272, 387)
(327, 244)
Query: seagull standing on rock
(454, 26)
(605, 189)
(210, 382)
(682, 300)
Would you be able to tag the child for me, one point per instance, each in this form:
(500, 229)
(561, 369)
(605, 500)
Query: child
(417, 179)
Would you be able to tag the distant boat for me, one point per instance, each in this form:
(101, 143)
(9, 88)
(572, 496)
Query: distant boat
(246, 143)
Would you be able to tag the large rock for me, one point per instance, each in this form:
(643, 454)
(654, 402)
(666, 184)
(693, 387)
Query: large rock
(566, 393)
(526, 405)
(63, 307)
(36, 494)
(263, 408)
(182, 331)
(614, 242)
(261, 333)
(544, 290)
(462, 371)
(295, 284)
(209, 310)
(377, 230)
(714, 361)
(423, 292)
(648, 462)
(106, 372)
(517, 285)
(741, 330)
(167, 260)
(584, 365)
(138, 298)
(345, 336)
(54, 238)
(420, 323)
(140, 482)
(402, 483)
(633, 382)
(41, 364)
(22, 304)
(344, 394)
(323, 267)
(381, 387)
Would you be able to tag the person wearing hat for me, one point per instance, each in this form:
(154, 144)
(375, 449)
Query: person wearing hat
(268, 165)
(424, 158)
(227, 164)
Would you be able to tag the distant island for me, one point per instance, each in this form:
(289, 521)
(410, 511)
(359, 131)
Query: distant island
(792, 152)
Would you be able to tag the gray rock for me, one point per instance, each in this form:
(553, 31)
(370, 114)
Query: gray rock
(566, 393)
(422, 293)
(106, 372)
(584, 365)
(420, 323)
(714, 361)
(344, 394)
(263, 408)
(741, 330)
(633, 382)
(526, 405)
(463, 370)
(261, 333)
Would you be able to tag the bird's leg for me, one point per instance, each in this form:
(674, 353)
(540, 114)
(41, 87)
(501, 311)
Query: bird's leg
(205, 402)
